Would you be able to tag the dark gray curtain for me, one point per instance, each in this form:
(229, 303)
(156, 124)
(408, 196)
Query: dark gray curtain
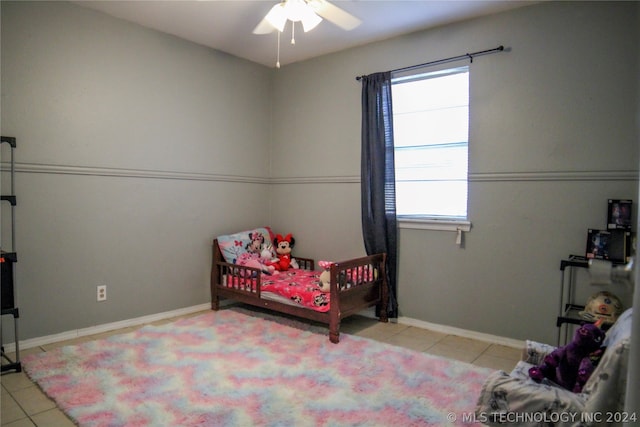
(379, 224)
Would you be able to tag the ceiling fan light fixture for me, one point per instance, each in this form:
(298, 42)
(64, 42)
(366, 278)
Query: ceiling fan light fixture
(310, 22)
(299, 10)
(294, 11)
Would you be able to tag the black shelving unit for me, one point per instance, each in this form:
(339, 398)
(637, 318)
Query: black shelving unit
(569, 312)
(8, 260)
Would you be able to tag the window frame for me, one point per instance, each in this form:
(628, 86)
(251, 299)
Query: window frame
(434, 222)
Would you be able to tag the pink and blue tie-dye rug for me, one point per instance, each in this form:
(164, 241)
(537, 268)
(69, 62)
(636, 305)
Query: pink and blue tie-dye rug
(236, 367)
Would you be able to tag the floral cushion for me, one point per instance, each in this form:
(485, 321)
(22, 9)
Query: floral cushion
(607, 385)
(620, 330)
(234, 245)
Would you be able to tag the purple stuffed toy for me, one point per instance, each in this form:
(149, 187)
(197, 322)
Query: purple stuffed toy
(570, 366)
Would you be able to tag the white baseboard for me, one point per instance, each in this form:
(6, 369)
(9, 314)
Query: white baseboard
(98, 329)
(450, 330)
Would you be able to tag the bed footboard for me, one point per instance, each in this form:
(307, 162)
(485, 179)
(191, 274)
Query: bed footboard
(357, 284)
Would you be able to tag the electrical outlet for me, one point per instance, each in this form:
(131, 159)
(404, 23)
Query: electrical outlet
(102, 293)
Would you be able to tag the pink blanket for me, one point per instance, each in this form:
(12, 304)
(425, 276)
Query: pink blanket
(298, 286)
(302, 286)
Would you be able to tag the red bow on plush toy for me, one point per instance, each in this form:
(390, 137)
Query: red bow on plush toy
(286, 238)
(283, 249)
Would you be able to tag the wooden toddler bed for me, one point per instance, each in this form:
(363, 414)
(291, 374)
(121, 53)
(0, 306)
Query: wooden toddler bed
(355, 284)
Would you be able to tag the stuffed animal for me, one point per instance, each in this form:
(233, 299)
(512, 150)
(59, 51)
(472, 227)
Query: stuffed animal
(253, 256)
(570, 366)
(267, 253)
(283, 245)
(324, 281)
(603, 306)
(253, 260)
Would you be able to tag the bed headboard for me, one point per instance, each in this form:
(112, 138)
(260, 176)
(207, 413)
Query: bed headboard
(217, 254)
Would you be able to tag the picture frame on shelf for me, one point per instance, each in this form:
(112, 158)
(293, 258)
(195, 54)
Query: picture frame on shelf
(598, 244)
(611, 245)
(620, 245)
(619, 214)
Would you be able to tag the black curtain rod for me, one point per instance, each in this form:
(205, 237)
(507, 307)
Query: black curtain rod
(442, 61)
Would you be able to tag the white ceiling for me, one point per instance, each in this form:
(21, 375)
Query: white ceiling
(227, 25)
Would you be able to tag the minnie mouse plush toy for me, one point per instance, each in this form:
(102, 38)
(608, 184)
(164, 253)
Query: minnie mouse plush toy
(283, 245)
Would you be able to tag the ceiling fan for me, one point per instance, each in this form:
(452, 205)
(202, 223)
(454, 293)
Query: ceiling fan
(308, 12)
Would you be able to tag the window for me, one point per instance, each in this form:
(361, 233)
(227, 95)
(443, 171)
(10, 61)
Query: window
(431, 133)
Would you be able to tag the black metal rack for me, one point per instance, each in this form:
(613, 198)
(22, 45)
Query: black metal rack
(569, 312)
(8, 259)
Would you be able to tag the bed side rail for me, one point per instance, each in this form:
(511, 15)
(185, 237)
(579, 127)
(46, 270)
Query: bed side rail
(305, 263)
(238, 277)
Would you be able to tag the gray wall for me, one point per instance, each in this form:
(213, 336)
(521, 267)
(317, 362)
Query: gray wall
(137, 148)
(552, 137)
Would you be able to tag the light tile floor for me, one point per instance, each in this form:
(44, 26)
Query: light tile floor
(23, 404)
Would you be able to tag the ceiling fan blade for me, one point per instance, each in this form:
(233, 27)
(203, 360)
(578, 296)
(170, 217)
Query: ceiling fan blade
(334, 14)
(263, 27)
(274, 20)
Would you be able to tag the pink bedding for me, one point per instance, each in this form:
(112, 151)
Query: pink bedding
(300, 286)
(297, 286)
